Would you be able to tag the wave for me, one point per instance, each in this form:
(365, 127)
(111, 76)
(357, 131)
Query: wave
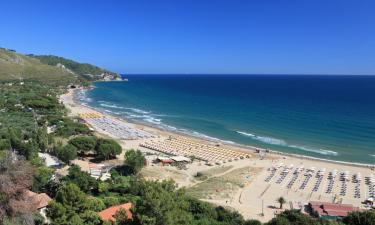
(138, 110)
(372, 155)
(268, 140)
(319, 151)
(114, 106)
(280, 142)
(110, 106)
(204, 136)
(82, 96)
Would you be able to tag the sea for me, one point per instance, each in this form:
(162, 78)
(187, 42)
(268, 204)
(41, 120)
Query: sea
(330, 117)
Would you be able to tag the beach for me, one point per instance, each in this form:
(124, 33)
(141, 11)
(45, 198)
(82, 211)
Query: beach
(243, 178)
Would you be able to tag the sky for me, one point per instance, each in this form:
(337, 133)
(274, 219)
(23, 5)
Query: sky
(198, 36)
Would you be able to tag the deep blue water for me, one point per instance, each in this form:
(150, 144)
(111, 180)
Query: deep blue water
(323, 116)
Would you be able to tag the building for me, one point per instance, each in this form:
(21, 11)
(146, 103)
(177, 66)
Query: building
(109, 214)
(180, 159)
(164, 160)
(38, 201)
(330, 211)
(49, 160)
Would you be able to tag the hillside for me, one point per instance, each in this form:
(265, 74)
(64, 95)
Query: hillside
(48, 68)
(84, 69)
(14, 65)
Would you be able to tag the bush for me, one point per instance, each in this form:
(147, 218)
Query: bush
(41, 179)
(107, 148)
(134, 160)
(67, 127)
(67, 153)
(360, 218)
(84, 144)
(82, 179)
(5, 144)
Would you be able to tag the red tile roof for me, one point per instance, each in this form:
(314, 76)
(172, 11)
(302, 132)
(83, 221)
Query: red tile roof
(332, 209)
(108, 214)
(337, 213)
(38, 200)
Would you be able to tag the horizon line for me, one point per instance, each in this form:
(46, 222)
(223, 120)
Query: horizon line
(247, 74)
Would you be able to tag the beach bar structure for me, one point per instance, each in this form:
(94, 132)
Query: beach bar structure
(330, 211)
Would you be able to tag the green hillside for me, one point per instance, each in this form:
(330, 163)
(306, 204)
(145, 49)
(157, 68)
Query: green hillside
(48, 68)
(15, 66)
(84, 69)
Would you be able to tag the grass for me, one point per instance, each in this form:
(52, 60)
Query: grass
(224, 186)
(14, 66)
(205, 174)
(157, 173)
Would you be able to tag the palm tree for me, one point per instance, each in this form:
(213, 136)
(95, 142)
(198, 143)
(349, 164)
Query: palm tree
(281, 201)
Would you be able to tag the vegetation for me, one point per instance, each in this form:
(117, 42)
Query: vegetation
(82, 179)
(16, 177)
(32, 120)
(72, 206)
(134, 161)
(360, 218)
(281, 201)
(84, 144)
(16, 67)
(83, 69)
(107, 148)
(67, 127)
(67, 153)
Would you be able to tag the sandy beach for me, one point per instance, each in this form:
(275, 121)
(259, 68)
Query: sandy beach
(234, 176)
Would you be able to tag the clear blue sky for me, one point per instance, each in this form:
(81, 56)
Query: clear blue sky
(201, 36)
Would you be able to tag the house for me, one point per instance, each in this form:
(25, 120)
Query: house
(38, 201)
(181, 159)
(164, 160)
(49, 160)
(109, 214)
(330, 211)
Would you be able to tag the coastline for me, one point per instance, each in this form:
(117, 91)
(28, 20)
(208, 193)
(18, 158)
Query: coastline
(209, 139)
(247, 177)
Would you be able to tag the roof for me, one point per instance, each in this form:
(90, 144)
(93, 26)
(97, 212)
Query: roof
(38, 200)
(49, 160)
(332, 209)
(108, 214)
(180, 159)
(165, 159)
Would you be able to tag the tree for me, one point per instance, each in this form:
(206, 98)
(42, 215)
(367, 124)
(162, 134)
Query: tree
(72, 206)
(107, 148)
(84, 144)
(42, 139)
(16, 176)
(5, 144)
(252, 222)
(80, 178)
(281, 201)
(279, 221)
(67, 153)
(360, 218)
(41, 178)
(134, 160)
(29, 149)
(103, 187)
(293, 217)
(15, 136)
(121, 217)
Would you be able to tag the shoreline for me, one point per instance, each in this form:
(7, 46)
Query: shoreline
(242, 184)
(242, 147)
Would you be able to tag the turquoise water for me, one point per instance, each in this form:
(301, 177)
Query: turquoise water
(329, 117)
